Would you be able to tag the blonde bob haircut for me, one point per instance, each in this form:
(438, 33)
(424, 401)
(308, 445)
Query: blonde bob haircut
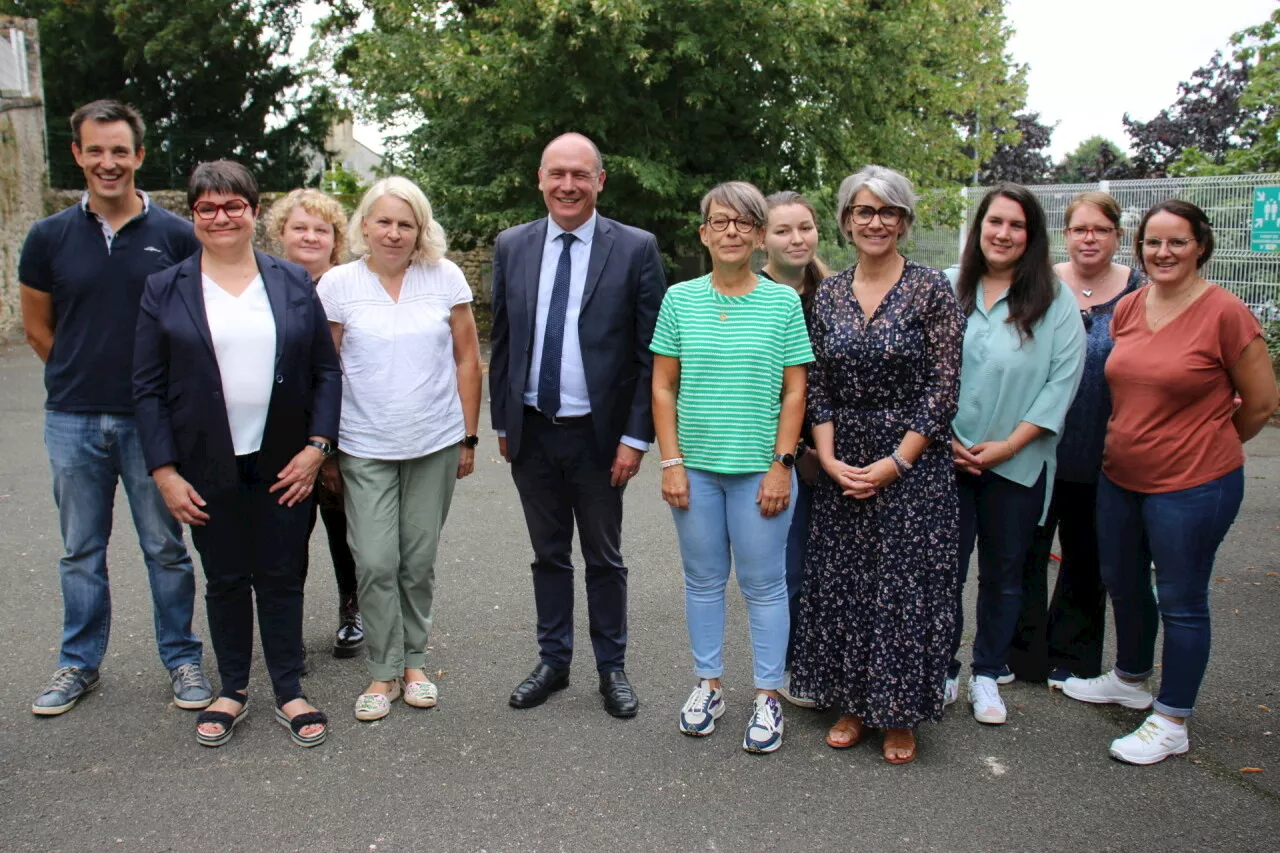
(318, 204)
(431, 243)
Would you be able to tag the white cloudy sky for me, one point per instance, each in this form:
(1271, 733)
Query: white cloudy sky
(1090, 62)
(1093, 60)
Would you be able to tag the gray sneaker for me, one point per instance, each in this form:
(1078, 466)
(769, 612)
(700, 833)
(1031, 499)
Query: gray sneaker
(63, 691)
(191, 690)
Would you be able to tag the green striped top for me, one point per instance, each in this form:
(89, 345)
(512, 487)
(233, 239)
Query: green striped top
(732, 352)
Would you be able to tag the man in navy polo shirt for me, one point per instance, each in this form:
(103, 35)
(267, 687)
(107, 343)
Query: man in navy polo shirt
(82, 273)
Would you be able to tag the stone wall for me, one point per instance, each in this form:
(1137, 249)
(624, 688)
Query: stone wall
(22, 174)
(475, 263)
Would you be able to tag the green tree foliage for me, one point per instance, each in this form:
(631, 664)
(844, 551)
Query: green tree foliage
(679, 94)
(1095, 159)
(206, 75)
(1257, 146)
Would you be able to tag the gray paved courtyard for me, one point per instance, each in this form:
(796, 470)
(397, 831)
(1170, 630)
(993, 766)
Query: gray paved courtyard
(122, 771)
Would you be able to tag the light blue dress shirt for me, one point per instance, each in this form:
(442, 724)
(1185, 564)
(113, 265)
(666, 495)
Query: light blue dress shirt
(574, 399)
(1005, 380)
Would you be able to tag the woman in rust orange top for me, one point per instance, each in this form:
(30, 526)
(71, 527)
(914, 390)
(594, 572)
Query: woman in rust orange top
(1172, 472)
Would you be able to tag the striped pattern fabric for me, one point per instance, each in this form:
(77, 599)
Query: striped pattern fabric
(732, 352)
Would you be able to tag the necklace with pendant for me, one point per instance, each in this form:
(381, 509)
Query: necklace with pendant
(1087, 292)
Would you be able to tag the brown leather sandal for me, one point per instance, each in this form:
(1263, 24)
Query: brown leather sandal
(849, 726)
(899, 740)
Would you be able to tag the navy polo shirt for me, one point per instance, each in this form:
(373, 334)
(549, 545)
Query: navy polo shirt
(96, 289)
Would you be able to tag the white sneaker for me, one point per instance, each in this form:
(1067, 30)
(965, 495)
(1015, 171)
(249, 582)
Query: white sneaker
(950, 691)
(1154, 741)
(764, 729)
(1108, 689)
(984, 695)
(794, 698)
(704, 706)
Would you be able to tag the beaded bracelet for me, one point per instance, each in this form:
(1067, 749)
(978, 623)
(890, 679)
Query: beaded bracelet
(903, 465)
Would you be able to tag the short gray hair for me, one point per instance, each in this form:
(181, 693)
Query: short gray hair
(891, 187)
(740, 197)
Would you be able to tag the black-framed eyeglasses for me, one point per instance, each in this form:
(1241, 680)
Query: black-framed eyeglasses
(864, 213)
(234, 209)
(741, 224)
(1080, 232)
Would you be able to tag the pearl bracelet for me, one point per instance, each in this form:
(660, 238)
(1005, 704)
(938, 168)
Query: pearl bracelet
(673, 462)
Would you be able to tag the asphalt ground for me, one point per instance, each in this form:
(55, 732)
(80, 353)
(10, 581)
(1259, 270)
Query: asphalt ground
(122, 770)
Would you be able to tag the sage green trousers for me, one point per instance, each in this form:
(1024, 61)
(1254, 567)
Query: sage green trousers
(395, 512)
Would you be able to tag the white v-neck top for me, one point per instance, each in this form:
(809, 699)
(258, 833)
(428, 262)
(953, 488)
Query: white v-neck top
(244, 342)
(399, 379)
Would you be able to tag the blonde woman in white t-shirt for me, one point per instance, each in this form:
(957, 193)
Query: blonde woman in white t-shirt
(401, 320)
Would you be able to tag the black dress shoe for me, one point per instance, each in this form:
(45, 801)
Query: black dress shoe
(619, 698)
(540, 684)
(348, 640)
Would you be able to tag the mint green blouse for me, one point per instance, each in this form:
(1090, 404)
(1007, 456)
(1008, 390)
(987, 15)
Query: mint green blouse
(1005, 380)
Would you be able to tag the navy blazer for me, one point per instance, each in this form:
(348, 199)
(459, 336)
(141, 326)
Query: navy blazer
(624, 289)
(177, 389)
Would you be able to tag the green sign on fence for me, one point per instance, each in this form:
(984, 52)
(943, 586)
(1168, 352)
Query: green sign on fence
(1265, 231)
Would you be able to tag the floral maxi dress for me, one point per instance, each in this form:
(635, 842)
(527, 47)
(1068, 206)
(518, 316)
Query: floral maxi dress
(878, 603)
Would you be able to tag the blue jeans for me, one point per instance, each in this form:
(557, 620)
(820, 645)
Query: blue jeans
(1001, 516)
(88, 453)
(797, 547)
(723, 524)
(1181, 531)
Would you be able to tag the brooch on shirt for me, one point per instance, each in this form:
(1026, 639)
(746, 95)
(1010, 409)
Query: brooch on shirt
(723, 316)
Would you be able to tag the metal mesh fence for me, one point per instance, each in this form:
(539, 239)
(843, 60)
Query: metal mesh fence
(1227, 199)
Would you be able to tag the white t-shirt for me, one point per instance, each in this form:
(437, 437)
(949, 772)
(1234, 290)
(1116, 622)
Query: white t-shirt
(399, 380)
(244, 342)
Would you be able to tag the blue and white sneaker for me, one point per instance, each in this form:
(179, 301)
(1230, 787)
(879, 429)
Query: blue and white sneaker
(704, 706)
(764, 729)
(1006, 676)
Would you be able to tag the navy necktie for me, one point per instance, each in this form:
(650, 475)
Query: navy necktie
(553, 334)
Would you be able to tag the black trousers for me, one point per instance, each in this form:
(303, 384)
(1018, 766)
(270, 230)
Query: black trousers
(252, 547)
(1069, 632)
(329, 507)
(562, 481)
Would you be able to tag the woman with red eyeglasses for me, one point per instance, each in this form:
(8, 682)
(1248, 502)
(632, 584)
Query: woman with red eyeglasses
(1172, 470)
(237, 390)
(1061, 637)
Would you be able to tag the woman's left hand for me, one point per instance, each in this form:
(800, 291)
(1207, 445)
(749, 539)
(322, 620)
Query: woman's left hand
(774, 494)
(466, 461)
(989, 454)
(868, 481)
(298, 477)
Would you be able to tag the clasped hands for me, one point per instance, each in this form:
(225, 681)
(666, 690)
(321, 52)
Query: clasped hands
(981, 457)
(294, 483)
(865, 482)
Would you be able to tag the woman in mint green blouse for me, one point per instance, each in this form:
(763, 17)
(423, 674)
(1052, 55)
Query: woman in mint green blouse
(1024, 349)
(730, 351)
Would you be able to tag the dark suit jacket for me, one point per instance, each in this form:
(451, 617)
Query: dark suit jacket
(624, 288)
(177, 388)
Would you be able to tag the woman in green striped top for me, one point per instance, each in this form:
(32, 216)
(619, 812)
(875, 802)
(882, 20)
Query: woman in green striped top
(730, 354)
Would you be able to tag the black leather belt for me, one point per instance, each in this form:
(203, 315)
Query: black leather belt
(556, 419)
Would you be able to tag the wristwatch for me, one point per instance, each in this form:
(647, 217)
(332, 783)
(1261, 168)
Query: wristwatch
(788, 460)
(470, 441)
(323, 446)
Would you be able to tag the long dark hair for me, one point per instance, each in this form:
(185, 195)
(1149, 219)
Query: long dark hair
(1034, 285)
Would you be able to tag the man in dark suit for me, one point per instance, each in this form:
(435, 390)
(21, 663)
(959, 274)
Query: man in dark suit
(575, 299)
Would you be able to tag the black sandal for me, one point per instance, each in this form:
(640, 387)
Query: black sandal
(300, 722)
(220, 718)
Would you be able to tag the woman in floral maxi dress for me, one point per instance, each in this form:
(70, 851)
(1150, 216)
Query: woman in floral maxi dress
(878, 606)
